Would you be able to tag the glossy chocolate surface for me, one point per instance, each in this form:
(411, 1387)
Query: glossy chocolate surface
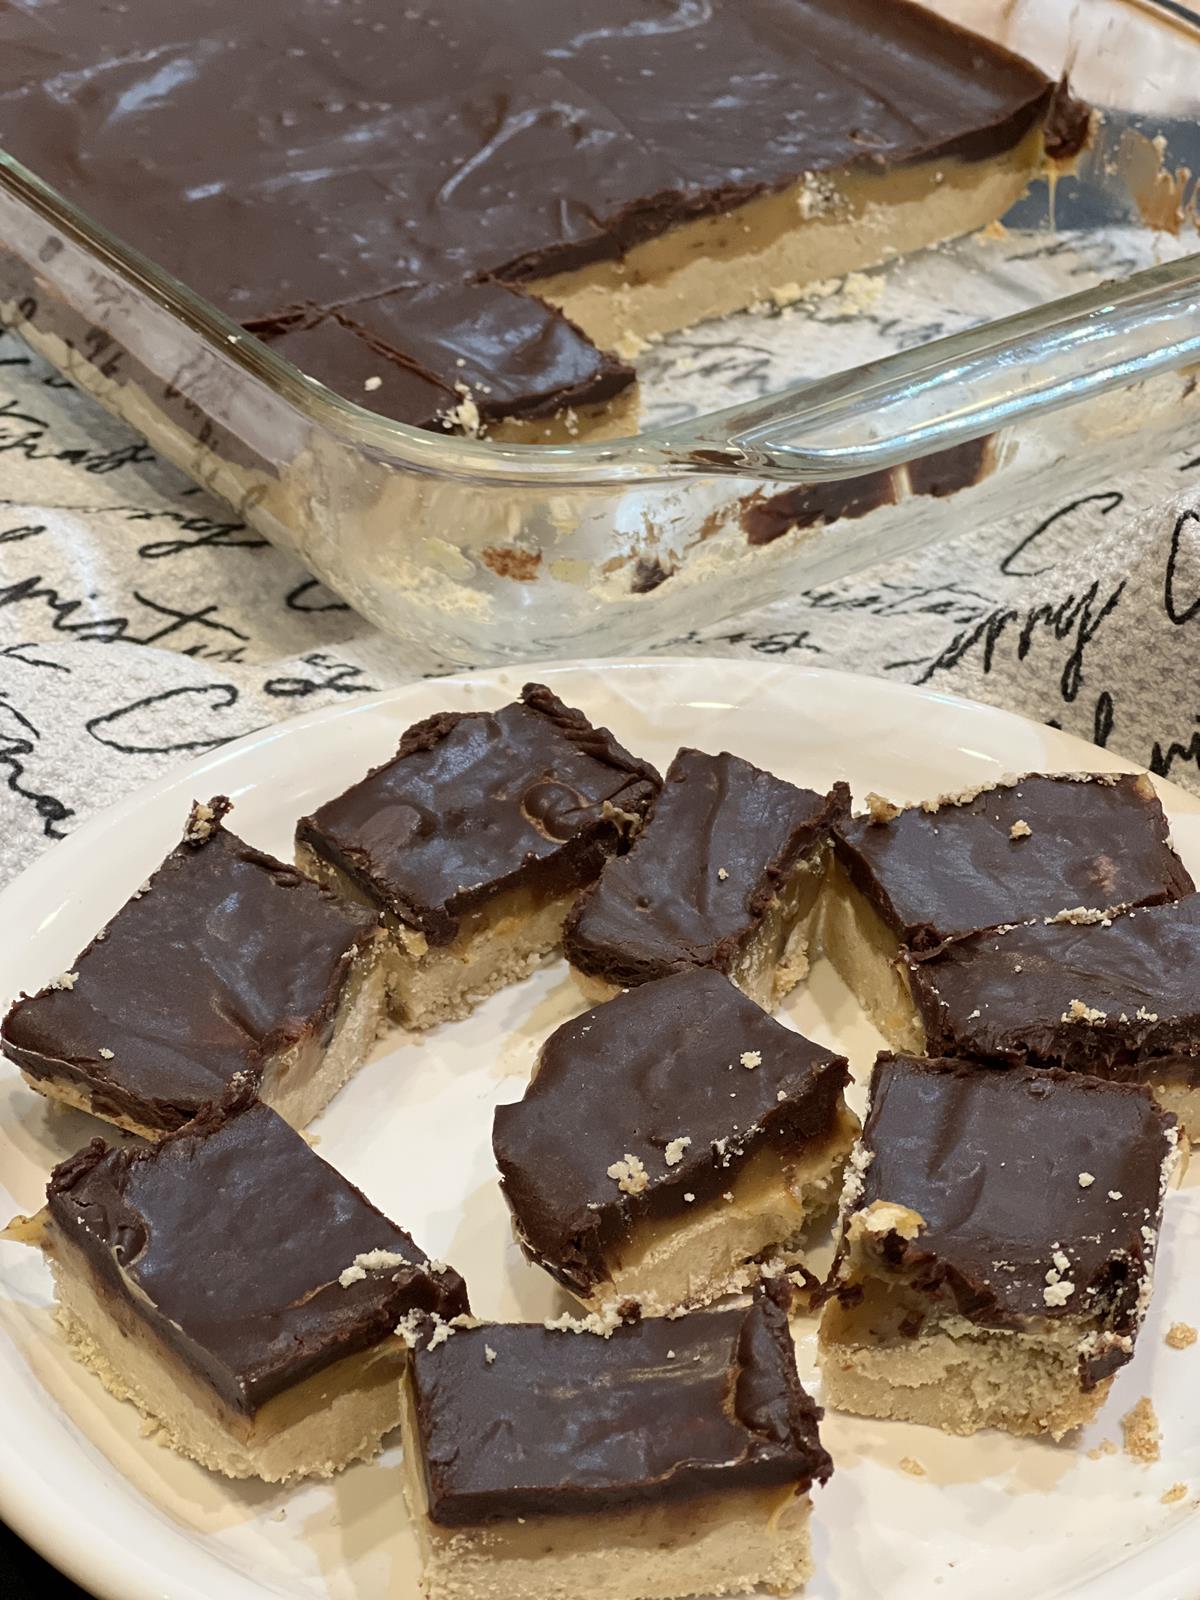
(229, 1238)
(317, 153)
(222, 960)
(721, 839)
(1114, 1000)
(417, 354)
(476, 803)
(567, 1423)
(660, 1063)
(1096, 843)
(992, 1159)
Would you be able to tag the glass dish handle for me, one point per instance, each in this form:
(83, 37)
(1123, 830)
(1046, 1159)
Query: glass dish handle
(953, 389)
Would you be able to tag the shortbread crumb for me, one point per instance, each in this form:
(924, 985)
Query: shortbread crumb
(465, 415)
(409, 1327)
(751, 1059)
(1176, 1493)
(1077, 1011)
(1140, 1430)
(65, 980)
(489, 1355)
(1080, 917)
(602, 1323)
(882, 1216)
(1086, 1180)
(1105, 1448)
(369, 1261)
(1180, 1335)
(1057, 1294)
(881, 810)
(200, 824)
(1020, 829)
(912, 1466)
(630, 1174)
(673, 1154)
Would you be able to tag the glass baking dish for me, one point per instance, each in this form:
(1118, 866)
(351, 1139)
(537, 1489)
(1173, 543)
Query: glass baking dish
(845, 433)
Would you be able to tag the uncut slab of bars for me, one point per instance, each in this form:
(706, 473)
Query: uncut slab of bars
(645, 178)
(239, 1291)
(999, 1229)
(727, 873)
(226, 965)
(672, 1458)
(905, 879)
(673, 1144)
(474, 840)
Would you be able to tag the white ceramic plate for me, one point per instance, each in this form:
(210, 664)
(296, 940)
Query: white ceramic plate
(992, 1517)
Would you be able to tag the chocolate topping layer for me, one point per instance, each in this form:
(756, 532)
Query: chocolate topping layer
(567, 1423)
(721, 839)
(1097, 841)
(474, 803)
(992, 1160)
(224, 958)
(317, 154)
(659, 1064)
(228, 1239)
(1112, 998)
(416, 354)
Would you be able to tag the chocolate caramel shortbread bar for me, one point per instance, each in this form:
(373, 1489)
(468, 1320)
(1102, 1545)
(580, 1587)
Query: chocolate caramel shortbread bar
(474, 840)
(672, 1144)
(999, 1229)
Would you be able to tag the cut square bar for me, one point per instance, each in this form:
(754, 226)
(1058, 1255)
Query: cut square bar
(1117, 997)
(908, 878)
(999, 1228)
(226, 964)
(240, 1292)
(474, 840)
(674, 1457)
(727, 873)
(672, 1145)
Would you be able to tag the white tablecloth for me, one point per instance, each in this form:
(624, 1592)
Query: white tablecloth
(141, 624)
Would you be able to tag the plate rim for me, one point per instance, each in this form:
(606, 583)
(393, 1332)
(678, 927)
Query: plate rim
(104, 1571)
